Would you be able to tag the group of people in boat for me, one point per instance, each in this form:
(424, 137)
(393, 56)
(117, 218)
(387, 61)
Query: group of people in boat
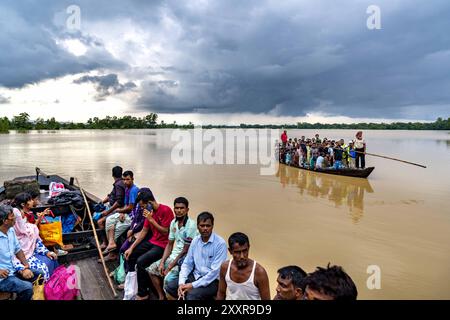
(316, 153)
(177, 256)
(174, 255)
(23, 256)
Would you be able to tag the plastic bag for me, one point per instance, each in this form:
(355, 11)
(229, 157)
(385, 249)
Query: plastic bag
(51, 233)
(38, 289)
(131, 286)
(119, 272)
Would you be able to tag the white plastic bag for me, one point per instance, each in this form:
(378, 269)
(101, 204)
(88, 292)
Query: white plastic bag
(56, 188)
(131, 286)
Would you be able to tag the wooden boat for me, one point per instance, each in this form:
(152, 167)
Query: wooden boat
(84, 253)
(355, 173)
(347, 172)
(82, 239)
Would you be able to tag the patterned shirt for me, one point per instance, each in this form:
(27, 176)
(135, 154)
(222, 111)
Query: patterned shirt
(182, 236)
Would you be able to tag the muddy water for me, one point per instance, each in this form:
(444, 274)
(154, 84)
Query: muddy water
(398, 219)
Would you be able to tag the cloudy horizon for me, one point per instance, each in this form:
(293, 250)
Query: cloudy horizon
(226, 61)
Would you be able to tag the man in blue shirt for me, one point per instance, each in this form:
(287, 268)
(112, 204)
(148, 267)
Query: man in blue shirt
(119, 222)
(199, 275)
(13, 279)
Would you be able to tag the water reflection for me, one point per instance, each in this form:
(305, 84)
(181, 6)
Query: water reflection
(341, 191)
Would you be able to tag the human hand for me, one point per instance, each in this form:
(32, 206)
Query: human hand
(27, 274)
(127, 253)
(184, 288)
(169, 267)
(4, 273)
(51, 255)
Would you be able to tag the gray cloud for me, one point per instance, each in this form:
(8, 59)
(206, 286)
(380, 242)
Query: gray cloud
(106, 85)
(284, 58)
(29, 52)
(4, 100)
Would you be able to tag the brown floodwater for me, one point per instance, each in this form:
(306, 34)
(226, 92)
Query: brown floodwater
(398, 219)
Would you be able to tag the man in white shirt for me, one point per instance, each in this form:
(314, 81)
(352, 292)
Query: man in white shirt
(319, 161)
(360, 148)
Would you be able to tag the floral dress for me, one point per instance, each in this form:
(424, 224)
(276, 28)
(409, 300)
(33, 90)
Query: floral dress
(31, 244)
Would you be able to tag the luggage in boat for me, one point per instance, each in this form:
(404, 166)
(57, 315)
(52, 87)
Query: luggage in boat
(14, 187)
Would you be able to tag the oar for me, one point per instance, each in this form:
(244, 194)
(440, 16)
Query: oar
(385, 157)
(96, 239)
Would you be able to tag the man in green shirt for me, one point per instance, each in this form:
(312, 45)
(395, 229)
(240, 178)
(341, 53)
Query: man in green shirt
(182, 230)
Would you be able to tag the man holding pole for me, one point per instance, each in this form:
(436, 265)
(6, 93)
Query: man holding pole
(360, 148)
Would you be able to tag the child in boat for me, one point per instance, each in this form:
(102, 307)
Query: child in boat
(37, 255)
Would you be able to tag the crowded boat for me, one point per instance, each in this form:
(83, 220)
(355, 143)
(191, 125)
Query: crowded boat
(162, 251)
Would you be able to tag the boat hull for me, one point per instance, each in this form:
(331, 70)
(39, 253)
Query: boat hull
(355, 173)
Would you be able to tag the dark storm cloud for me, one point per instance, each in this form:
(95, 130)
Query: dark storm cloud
(29, 52)
(106, 85)
(282, 58)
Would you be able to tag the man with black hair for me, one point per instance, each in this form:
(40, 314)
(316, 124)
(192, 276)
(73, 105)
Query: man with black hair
(242, 278)
(113, 201)
(142, 252)
(119, 222)
(330, 283)
(291, 283)
(198, 279)
(182, 230)
(13, 277)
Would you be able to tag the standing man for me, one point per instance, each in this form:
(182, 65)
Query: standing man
(13, 278)
(284, 138)
(318, 141)
(242, 278)
(199, 273)
(360, 146)
(338, 155)
(291, 283)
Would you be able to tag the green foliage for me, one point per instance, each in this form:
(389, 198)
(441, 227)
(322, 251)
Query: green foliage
(22, 123)
(4, 125)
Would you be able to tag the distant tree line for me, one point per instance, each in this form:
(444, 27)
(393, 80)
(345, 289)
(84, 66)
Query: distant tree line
(23, 123)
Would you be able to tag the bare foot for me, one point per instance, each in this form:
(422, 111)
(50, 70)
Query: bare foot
(141, 298)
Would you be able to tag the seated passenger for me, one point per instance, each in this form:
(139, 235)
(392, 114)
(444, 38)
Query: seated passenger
(182, 230)
(113, 201)
(320, 162)
(290, 283)
(199, 274)
(38, 256)
(119, 222)
(330, 283)
(142, 252)
(14, 277)
(242, 278)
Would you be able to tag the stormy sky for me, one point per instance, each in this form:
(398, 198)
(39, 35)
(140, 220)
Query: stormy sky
(275, 58)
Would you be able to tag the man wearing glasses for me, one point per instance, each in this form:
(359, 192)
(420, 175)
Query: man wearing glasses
(16, 278)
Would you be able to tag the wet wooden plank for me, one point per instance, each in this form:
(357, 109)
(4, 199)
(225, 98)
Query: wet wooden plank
(93, 283)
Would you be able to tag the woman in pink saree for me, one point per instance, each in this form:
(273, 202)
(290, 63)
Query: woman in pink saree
(38, 256)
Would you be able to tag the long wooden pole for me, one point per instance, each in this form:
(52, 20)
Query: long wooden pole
(96, 239)
(390, 158)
